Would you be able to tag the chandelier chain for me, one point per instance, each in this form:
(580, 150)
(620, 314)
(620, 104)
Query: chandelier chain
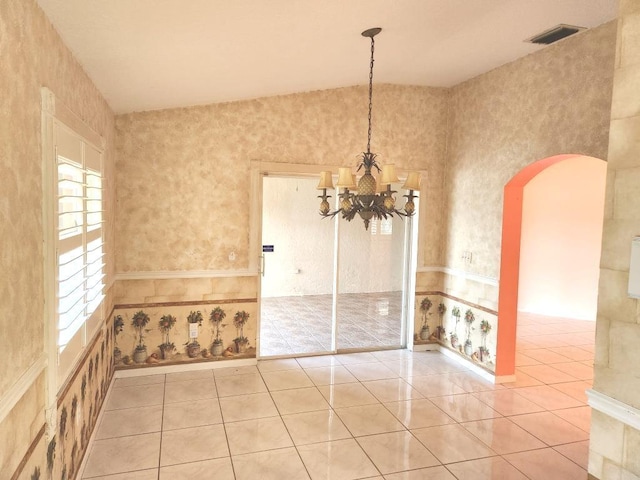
(370, 96)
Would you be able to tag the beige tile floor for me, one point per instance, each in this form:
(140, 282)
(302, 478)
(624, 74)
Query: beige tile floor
(385, 415)
(302, 324)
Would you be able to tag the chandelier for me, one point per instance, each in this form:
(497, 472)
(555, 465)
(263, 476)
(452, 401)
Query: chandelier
(368, 202)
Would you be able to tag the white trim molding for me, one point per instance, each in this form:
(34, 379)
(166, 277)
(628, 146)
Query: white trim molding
(54, 108)
(481, 372)
(18, 389)
(167, 274)
(614, 408)
(460, 273)
(425, 347)
(191, 367)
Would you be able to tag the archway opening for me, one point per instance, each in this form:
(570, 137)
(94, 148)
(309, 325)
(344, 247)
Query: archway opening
(548, 280)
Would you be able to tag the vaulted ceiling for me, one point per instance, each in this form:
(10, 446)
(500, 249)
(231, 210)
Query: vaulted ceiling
(154, 54)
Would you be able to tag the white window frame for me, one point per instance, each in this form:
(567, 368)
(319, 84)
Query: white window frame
(382, 226)
(67, 140)
(77, 222)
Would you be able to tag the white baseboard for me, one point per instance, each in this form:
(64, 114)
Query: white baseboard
(614, 408)
(186, 367)
(475, 368)
(427, 347)
(505, 378)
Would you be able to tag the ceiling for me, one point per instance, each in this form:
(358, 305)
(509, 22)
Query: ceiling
(155, 54)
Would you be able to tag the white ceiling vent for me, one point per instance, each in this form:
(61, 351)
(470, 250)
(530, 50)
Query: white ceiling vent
(554, 34)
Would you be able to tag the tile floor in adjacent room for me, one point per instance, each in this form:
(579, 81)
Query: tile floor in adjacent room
(302, 324)
(386, 415)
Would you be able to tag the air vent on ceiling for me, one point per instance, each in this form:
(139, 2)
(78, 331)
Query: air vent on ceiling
(554, 34)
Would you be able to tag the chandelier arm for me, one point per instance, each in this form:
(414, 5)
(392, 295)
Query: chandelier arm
(332, 214)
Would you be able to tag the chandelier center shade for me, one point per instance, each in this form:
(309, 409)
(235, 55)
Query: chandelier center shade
(361, 196)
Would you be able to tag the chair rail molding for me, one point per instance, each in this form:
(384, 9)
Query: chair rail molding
(614, 408)
(18, 389)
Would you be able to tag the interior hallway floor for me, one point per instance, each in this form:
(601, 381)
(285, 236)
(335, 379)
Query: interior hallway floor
(386, 415)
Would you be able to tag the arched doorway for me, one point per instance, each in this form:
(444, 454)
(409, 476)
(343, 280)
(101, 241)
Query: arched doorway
(512, 223)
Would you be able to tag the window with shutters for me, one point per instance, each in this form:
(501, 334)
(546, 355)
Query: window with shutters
(382, 226)
(79, 248)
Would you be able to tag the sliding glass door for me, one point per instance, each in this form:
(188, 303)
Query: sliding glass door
(370, 284)
(328, 286)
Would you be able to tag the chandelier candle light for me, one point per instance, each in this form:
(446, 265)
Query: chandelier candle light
(368, 202)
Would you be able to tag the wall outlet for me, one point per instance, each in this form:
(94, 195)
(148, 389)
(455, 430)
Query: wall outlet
(193, 330)
(232, 256)
(467, 256)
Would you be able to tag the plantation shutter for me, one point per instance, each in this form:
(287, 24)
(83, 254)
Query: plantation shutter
(79, 249)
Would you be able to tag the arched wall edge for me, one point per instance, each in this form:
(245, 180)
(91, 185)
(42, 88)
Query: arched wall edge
(510, 261)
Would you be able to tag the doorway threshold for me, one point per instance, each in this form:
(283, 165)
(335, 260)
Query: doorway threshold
(341, 351)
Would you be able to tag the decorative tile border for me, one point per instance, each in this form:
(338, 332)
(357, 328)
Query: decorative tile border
(475, 347)
(87, 353)
(185, 303)
(195, 350)
(30, 450)
(458, 299)
(191, 361)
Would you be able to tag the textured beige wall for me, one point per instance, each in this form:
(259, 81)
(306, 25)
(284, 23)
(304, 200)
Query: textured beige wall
(554, 101)
(615, 446)
(33, 55)
(474, 290)
(182, 174)
(185, 289)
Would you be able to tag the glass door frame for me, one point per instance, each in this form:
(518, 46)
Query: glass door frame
(259, 170)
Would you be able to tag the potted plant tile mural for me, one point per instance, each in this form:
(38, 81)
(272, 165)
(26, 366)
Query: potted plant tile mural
(425, 306)
(78, 407)
(457, 332)
(139, 322)
(239, 321)
(167, 347)
(136, 330)
(216, 317)
(195, 322)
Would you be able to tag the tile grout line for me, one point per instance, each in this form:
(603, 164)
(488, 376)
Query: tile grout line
(164, 395)
(455, 375)
(282, 420)
(224, 425)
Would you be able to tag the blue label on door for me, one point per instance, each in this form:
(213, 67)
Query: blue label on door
(267, 248)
